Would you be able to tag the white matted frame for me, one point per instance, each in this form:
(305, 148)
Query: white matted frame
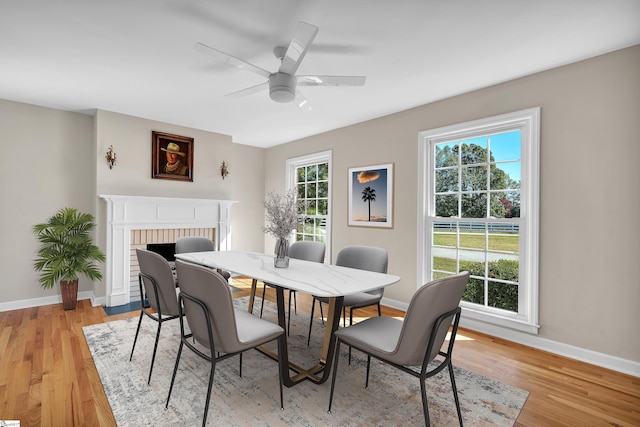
(371, 196)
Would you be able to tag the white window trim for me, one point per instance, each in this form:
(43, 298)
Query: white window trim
(529, 122)
(306, 160)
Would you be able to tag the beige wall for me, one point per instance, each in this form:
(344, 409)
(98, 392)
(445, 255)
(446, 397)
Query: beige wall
(590, 156)
(46, 164)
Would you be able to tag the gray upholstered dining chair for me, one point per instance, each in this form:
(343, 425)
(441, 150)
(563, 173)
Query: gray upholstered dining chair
(197, 244)
(306, 250)
(206, 302)
(417, 340)
(363, 258)
(158, 292)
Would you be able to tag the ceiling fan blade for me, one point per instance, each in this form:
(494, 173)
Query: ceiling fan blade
(301, 101)
(229, 59)
(331, 80)
(248, 91)
(302, 38)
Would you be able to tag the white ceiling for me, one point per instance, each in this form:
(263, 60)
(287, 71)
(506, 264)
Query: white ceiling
(136, 57)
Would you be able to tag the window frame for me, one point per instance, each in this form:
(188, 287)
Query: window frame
(528, 121)
(307, 160)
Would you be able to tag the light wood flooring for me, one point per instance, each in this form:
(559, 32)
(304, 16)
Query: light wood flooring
(47, 375)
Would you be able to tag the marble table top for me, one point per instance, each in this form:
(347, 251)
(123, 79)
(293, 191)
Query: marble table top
(318, 279)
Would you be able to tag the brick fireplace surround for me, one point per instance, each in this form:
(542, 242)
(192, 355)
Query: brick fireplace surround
(125, 215)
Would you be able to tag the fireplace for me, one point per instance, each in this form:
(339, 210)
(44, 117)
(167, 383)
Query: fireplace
(167, 250)
(132, 221)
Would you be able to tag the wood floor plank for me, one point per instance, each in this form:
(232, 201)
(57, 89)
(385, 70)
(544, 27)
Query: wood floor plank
(48, 378)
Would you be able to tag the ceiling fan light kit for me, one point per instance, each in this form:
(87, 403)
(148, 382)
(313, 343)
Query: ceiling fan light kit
(283, 83)
(282, 87)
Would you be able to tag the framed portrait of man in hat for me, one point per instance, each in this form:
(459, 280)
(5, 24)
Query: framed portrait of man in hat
(171, 156)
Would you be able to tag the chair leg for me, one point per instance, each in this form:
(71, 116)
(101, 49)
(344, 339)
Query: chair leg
(425, 407)
(206, 403)
(350, 323)
(366, 384)
(175, 371)
(313, 306)
(335, 371)
(295, 303)
(455, 393)
(281, 373)
(136, 337)
(264, 290)
(240, 364)
(289, 314)
(155, 349)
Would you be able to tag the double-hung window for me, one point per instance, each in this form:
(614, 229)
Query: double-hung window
(310, 176)
(479, 213)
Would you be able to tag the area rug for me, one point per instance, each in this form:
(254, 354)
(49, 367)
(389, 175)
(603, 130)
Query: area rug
(392, 399)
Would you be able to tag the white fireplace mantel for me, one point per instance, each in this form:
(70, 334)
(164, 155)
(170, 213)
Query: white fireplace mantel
(126, 213)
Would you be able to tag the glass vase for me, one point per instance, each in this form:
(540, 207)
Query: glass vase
(281, 259)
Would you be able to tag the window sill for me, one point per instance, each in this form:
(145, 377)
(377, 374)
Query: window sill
(491, 323)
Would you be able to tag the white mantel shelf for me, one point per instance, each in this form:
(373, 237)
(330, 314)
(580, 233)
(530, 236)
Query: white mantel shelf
(126, 213)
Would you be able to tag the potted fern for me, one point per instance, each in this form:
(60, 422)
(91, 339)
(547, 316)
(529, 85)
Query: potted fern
(66, 250)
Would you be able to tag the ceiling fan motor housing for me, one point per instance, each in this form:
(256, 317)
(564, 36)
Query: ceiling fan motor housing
(282, 87)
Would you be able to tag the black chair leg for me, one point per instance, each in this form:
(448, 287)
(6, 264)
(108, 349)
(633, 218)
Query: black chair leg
(366, 384)
(313, 306)
(155, 349)
(289, 314)
(136, 337)
(455, 393)
(295, 303)
(335, 371)
(351, 323)
(425, 407)
(281, 371)
(175, 371)
(206, 403)
(240, 364)
(264, 290)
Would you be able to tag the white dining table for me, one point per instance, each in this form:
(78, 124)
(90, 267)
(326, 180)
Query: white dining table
(322, 280)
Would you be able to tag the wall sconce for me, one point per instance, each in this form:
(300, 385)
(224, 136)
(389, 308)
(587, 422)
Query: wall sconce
(111, 157)
(224, 171)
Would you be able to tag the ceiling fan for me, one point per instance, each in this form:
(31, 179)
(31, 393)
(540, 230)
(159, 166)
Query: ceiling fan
(283, 83)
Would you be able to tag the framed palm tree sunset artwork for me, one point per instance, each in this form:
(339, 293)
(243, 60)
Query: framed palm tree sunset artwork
(371, 196)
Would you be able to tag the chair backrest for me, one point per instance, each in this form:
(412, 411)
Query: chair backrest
(307, 250)
(431, 301)
(156, 266)
(212, 289)
(193, 244)
(368, 258)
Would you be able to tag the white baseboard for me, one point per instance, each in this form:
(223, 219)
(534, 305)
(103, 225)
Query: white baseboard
(584, 355)
(54, 299)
